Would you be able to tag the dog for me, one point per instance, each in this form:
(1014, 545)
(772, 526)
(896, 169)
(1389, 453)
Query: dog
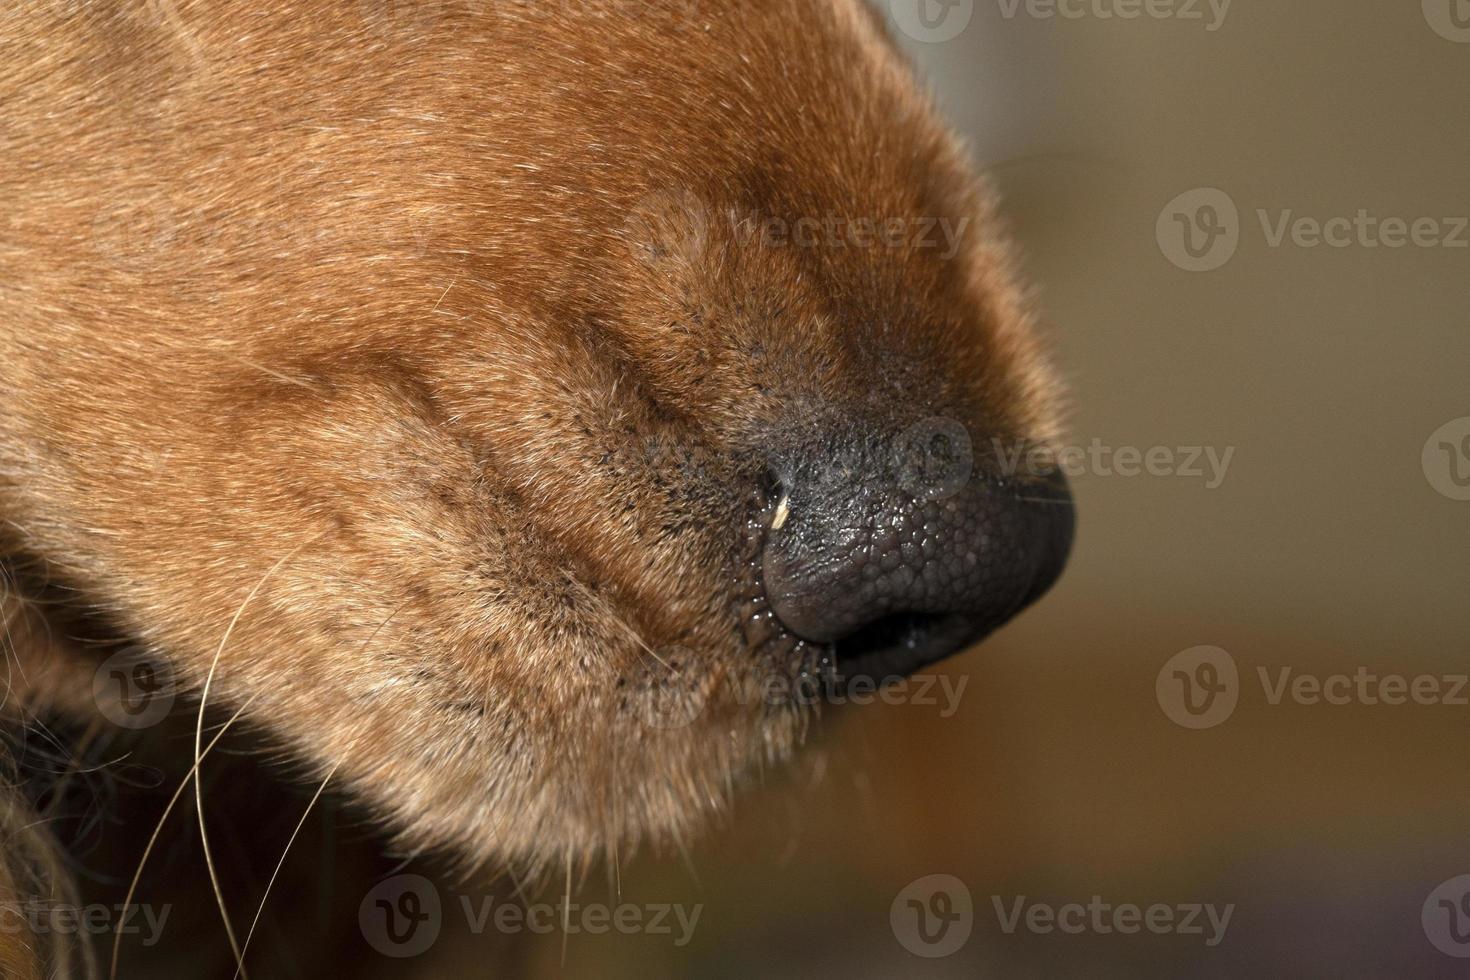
(494, 402)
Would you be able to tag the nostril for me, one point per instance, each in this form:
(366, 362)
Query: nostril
(901, 643)
(896, 630)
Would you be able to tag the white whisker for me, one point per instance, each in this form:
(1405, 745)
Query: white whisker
(239, 969)
(158, 829)
(198, 740)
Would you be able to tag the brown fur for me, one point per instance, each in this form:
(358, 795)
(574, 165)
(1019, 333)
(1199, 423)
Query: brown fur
(458, 315)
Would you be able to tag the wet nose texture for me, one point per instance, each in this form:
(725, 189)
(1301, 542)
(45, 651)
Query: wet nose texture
(896, 577)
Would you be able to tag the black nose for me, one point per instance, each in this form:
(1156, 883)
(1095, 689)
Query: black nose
(900, 561)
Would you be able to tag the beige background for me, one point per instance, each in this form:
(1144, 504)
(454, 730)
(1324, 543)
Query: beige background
(1326, 547)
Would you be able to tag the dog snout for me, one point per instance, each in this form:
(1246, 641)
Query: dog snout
(898, 566)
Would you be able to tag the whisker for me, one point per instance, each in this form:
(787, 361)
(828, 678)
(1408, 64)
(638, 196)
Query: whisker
(627, 626)
(684, 857)
(442, 295)
(239, 970)
(283, 378)
(158, 829)
(566, 913)
(199, 738)
(306, 813)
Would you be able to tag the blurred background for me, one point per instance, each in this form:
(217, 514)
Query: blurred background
(1335, 542)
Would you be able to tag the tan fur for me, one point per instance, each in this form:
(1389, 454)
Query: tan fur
(461, 310)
